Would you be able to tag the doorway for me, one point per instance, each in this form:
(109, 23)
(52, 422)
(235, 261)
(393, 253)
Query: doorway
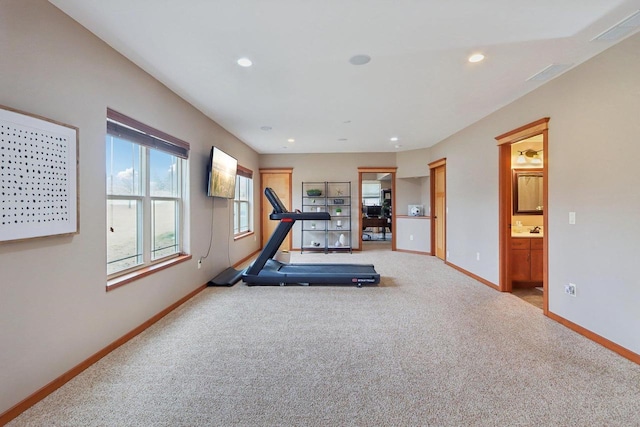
(523, 152)
(439, 208)
(376, 220)
(280, 181)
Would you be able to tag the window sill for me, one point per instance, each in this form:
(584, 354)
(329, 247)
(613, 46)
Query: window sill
(143, 272)
(243, 235)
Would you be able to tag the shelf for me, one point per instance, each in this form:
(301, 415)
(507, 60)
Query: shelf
(339, 248)
(334, 195)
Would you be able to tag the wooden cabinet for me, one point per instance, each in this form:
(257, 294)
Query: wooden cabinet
(520, 262)
(526, 260)
(536, 260)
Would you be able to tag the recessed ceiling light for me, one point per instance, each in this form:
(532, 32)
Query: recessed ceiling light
(394, 138)
(245, 62)
(266, 128)
(291, 140)
(476, 57)
(359, 59)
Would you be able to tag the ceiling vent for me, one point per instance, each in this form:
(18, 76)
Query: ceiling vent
(621, 29)
(549, 72)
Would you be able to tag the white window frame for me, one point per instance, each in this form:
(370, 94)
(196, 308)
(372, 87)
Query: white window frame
(237, 203)
(145, 201)
(371, 193)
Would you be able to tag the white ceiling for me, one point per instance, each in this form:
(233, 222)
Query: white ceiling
(418, 86)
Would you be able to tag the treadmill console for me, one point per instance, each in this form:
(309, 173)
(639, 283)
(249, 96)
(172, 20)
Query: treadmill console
(278, 206)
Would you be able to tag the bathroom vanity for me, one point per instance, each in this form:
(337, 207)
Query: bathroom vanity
(526, 259)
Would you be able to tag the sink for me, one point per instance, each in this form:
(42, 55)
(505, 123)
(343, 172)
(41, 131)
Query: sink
(526, 233)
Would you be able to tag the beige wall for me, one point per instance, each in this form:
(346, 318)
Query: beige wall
(413, 234)
(411, 191)
(54, 311)
(326, 167)
(594, 121)
(414, 163)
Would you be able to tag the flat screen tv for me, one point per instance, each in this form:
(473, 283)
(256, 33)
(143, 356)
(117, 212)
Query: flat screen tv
(221, 172)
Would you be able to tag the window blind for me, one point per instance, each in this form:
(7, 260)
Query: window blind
(125, 127)
(242, 171)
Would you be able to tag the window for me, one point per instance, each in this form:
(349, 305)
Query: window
(371, 193)
(242, 205)
(144, 194)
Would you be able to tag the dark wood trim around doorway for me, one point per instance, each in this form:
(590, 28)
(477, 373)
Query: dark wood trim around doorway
(438, 219)
(539, 127)
(265, 206)
(379, 169)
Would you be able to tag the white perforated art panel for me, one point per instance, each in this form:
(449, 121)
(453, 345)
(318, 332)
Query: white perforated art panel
(38, 177)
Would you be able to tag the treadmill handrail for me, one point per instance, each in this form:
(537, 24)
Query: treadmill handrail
(301, 216)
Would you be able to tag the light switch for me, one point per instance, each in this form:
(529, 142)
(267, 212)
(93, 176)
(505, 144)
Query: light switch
(572, 218)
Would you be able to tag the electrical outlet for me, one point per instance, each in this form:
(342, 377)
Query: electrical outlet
(411, 237)
(570, 289)
(477, 256)
(199, 264)
(447, 254)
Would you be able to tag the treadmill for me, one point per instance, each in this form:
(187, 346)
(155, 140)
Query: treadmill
(267, 271)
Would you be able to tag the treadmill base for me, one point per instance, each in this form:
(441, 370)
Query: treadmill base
(277, 273)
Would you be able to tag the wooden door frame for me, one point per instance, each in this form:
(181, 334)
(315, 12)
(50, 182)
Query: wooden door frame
(432, 201)
(539, 127)
(266, 210)
(370, 169)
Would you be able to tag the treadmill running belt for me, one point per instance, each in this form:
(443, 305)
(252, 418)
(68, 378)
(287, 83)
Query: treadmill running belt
(328, 269)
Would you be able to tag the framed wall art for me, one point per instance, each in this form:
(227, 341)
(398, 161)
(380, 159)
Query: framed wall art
(38, 177)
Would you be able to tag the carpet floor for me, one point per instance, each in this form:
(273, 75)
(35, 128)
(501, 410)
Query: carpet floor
(429, 346)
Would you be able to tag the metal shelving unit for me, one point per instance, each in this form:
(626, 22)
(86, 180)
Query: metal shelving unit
(333, 235)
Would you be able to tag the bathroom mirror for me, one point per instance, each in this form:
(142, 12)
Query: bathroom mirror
(527, 192)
